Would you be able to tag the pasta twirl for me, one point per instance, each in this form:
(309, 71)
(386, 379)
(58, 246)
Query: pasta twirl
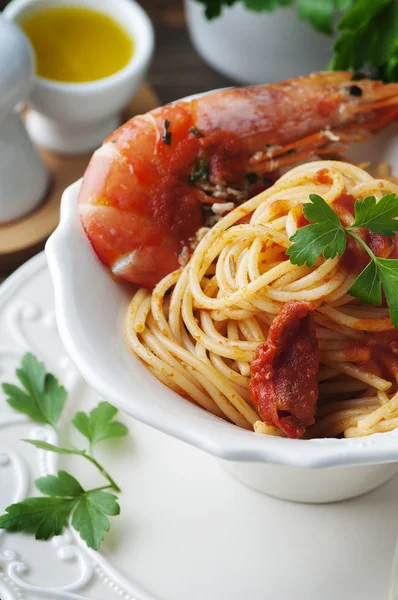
(199, 329)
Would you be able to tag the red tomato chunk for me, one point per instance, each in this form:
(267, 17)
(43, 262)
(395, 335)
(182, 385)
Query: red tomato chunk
(284, 372)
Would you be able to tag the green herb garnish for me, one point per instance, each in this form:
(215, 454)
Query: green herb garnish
(201, 173)
(42, 398)
(196, 132)
(167, 134)
(327, 236)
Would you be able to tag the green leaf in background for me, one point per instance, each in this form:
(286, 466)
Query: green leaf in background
(360, 12)
(343, 5)
(369, 36)
(385, 38)
(213, 8)
(89, 517)
(98, 425)
(266, 5)
(41, 398)
(391, 69)
(320, 13)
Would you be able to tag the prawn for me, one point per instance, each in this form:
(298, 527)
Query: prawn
(163, 176)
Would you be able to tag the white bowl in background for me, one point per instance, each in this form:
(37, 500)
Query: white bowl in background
(258, 47)
(77, 117)
(91, 308)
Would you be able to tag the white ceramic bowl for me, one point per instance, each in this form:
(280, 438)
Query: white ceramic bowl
(257, 47)
(91, 309)
(76, 117)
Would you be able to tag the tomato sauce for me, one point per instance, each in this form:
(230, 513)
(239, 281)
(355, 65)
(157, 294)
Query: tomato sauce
(322, 176)
(299, 216)
(377, 355)
(284, 372)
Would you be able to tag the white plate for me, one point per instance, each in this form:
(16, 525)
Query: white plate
(187, 531)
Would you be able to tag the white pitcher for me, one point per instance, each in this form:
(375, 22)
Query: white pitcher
(23, 176)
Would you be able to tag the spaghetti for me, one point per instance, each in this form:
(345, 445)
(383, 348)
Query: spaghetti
(199, 329)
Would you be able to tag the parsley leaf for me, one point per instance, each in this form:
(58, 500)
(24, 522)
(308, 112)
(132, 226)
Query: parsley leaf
(367, 286)
(379, 216)
(98, 425)
(89, 517)
(380, 273)
(326, 236)
(61, 485)
(388, 273)
(41, 397)
(46, 516)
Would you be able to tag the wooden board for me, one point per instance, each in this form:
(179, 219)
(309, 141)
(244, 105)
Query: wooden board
(21, 239)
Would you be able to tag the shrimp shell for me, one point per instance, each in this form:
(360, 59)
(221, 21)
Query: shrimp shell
(150, 187)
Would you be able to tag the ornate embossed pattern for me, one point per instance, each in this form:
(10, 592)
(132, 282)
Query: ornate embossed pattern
(27, 324)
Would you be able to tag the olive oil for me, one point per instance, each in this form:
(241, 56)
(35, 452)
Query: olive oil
(75, 44)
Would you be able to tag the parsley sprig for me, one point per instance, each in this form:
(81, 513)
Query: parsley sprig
(42, 398)
(326, 236)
